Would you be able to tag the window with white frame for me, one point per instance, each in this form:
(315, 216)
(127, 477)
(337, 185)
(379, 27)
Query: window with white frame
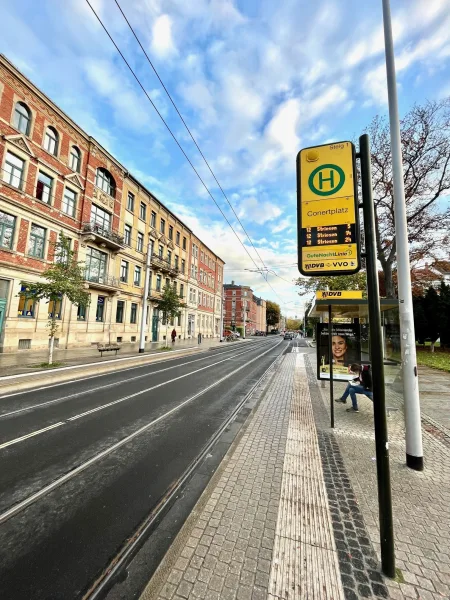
(140, 242)
(127, 235)
(22, 118)
(105, 181)
(100, 217)
(36, 243)
(130, 202)
(51, 140)
(44, 187)
(13, 171)
(69, 202)
(75, 159)
(124, 271)
(7, 227)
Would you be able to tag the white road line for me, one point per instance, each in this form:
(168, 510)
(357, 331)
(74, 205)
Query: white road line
(119, 400)
(29, 435)
(69, 381)
(58, 482)
(108, 385)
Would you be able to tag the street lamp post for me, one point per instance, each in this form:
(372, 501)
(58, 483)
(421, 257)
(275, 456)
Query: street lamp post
(413, 427)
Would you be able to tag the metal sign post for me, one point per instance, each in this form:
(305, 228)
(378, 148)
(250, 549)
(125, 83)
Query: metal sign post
(327, 209)
(330, 354)
(376, 354)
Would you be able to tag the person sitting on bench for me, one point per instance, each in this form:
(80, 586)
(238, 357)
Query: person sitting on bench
(362, 384)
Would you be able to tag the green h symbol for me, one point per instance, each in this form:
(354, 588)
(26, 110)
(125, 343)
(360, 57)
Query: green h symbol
(322, 179)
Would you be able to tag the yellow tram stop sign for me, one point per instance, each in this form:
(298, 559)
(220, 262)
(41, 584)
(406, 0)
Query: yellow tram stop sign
(327, 210)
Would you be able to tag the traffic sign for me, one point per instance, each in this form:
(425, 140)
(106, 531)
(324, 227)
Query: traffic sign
(328, 226)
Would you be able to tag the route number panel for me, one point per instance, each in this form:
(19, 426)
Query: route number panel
(328, 227)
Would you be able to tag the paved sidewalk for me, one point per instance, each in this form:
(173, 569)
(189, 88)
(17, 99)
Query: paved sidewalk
(23, 361)
(267, 525)
(292, 511)
(421, 501)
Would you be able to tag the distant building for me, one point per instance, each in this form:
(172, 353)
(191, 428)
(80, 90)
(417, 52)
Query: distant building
(240, 300)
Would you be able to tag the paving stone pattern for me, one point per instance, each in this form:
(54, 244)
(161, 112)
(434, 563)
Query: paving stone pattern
(421, 501)
(305, 562)
(229, 551)
(359, 566)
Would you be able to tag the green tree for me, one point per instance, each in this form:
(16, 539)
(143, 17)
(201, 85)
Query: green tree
(444, 302)
(425, 139)
(170, 306)
(293, 324)
(273, 313)
(420, 319)
(332, 282)
(64, 278)
(432, 308)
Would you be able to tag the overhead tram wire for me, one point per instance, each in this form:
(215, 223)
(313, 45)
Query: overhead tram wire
(187, 128)
(170, 131)
(176, 141)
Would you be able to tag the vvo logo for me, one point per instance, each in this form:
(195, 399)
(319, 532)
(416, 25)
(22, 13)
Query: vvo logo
(331, 294)
(340, 264)
(315, 266)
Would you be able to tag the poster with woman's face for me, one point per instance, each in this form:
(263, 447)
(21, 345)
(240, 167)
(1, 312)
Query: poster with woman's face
(345, 350)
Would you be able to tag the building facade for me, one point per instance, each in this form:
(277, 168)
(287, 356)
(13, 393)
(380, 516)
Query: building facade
(56, 178)
(243, 309)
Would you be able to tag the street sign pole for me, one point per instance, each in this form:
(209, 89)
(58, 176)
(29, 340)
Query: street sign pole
(376, 353)
(330, 354)
(413, 425)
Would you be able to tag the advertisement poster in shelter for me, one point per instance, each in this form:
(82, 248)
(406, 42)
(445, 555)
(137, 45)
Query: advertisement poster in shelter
(346, 349)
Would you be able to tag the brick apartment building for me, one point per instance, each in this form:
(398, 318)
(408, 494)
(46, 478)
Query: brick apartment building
(56, 178)
(240, 298)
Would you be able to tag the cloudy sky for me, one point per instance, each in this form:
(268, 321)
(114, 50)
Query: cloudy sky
(256, 80)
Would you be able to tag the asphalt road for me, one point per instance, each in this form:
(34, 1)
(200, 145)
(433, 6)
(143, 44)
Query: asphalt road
(84, 463)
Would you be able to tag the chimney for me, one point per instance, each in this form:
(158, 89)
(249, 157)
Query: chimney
(232, 282)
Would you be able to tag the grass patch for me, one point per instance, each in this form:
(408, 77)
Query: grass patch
(435, 360)
(399, 576)
(165, 349)
(46, 365)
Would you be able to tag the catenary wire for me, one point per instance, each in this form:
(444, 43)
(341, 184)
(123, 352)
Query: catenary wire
(176, 141)
(187, 129)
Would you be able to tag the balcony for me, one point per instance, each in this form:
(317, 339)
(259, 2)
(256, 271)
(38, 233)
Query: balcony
(163, 265)
(102, 282)
(103, 236)
(154, 294)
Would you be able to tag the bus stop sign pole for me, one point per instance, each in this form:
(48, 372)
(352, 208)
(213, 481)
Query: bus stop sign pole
(330, 354)
(376, 351)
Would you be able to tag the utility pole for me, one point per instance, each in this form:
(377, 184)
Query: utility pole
(144, 299)
(414, 450)
(243, 304)
(221, 313)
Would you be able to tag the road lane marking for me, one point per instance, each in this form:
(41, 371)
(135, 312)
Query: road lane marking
(61, 480)
(124, 398)
(102, 387)
(29, 435)
(46, 387)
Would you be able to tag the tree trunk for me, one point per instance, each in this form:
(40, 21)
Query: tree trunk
(388, 280)
(432, 346)
(167, 333)
(50, 349)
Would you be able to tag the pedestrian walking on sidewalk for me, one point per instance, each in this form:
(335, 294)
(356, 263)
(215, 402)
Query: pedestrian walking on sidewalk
(362, 384)
(199, 338)
(174, 335)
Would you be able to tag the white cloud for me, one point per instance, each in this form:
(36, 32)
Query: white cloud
(283, 126)
(259, 212)
(162, 41)
(282, 225)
